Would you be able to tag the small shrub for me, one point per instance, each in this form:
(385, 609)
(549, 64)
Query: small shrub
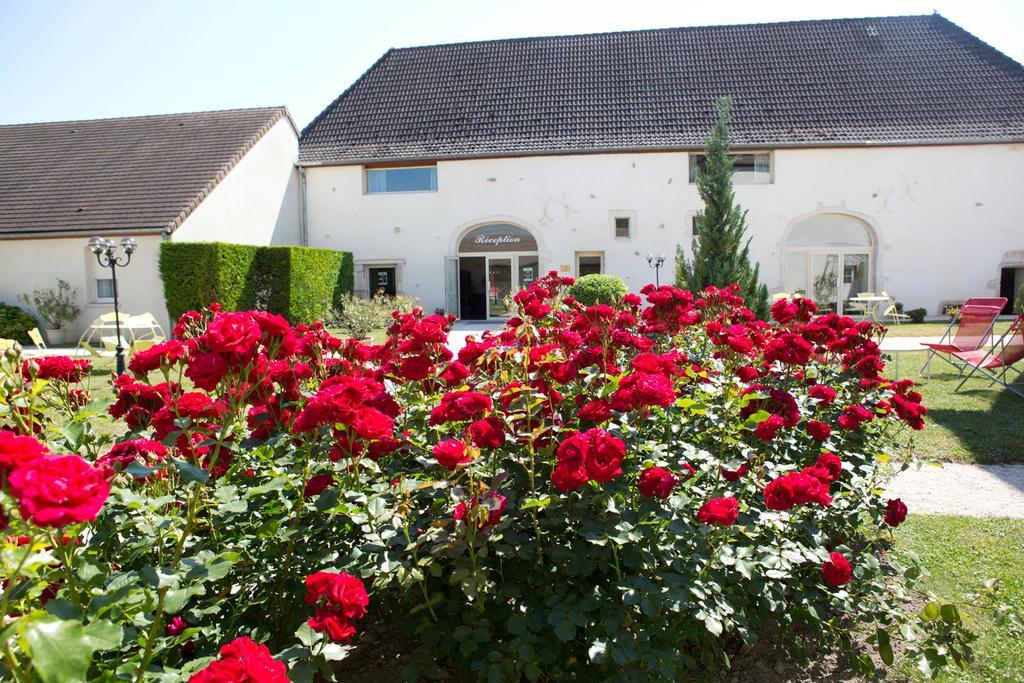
(55, 307)
(598, 289)
(1019, 306)
(359, 316)
(15, 323)
(917, 315)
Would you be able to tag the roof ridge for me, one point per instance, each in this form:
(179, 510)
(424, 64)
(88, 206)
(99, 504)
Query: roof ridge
(697, 27)
(279, 107)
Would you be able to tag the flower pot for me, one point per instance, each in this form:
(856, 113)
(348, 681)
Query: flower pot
(56, 337)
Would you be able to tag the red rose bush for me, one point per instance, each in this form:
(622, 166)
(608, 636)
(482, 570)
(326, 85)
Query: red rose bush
(604, 490)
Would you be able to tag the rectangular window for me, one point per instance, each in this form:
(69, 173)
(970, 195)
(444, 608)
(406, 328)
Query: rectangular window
(589, 263)
(694, 229)
(622, 226)
(401, 179)
(747, 169)
(104, 289)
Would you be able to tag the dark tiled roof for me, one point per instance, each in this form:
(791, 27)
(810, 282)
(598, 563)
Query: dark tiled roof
(142, 173)
(842, 81)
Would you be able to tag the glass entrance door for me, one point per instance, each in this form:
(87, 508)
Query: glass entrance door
(499, 287)
(825, 283)
(829, 277)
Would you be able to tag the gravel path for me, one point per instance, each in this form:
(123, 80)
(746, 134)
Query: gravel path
(956, 489)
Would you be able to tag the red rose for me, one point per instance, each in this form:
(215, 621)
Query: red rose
(789, 348)
(271, 324)
(853, 416)
(895, 512)
(488, 432)
(822, 393)
(767, 429)
(143, 451)
(690, 469)
(493, 502)
(656, 482)
(371, 423)
(342, 592)
(746, 373)
(147, 360)
(454, 373)
(451, 453)
(827, 468)
(57, 490)
(720, 511)
(570, 473)
(176, 626)
(604, 455)
(536, 309)
(316, 485)
(836, 571)
(235, 334)
(818, 430)
(17, 450)
(795, 488)
(337, 626)
(733, 475)
(59, 368)
(460, 405)
(206, 370)
(415, 368)
(243, 661)
(784, 310)
(595, 411)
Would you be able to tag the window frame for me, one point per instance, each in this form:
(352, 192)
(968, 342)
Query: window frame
(368, 168)
(695, 157)
(614, 216)
(93, 273)
(589, 254)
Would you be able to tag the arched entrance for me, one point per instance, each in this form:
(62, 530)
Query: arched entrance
(829, 257)
(494, 261)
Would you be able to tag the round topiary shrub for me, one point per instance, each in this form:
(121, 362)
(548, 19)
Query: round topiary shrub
(598, 289)
(15, 323)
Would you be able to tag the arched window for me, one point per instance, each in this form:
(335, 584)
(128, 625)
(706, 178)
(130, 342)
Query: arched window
(830, 258)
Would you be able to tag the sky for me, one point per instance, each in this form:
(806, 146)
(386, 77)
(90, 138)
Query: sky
(66, 60)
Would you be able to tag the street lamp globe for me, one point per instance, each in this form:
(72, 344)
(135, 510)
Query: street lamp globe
(129, 245)
(96, 244)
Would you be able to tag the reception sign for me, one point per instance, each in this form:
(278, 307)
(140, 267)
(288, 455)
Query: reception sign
(497, 237)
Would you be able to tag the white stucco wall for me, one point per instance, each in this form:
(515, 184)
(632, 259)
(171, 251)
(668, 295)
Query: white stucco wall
(26, 265)
(945, 217)
(257, 202)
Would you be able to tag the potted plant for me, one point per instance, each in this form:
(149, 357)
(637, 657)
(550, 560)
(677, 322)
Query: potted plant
(55, 308)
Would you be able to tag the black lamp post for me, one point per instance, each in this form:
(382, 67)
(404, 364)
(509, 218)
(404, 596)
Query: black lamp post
(106, 256)
(656, 262)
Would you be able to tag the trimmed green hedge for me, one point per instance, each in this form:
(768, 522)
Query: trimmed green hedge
(300, 283)
(15, 323)
(598, 289)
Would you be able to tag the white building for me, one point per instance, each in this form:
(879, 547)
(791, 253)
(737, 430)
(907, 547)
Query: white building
(212, 176)
(872, 154)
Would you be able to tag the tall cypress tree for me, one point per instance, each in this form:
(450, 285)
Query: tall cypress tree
(721, 254)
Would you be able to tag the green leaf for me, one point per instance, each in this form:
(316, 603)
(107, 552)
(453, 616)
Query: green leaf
(190, 472)
(103, 635)
(950, 614)
(884, 646)
(930, 612)
(59, 650)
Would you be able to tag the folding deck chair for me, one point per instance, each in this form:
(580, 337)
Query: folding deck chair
(994, 362)
(973, 328)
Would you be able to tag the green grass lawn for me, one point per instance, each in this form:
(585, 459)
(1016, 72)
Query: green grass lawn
(933, 329)
(960, 553)
(982, 423)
